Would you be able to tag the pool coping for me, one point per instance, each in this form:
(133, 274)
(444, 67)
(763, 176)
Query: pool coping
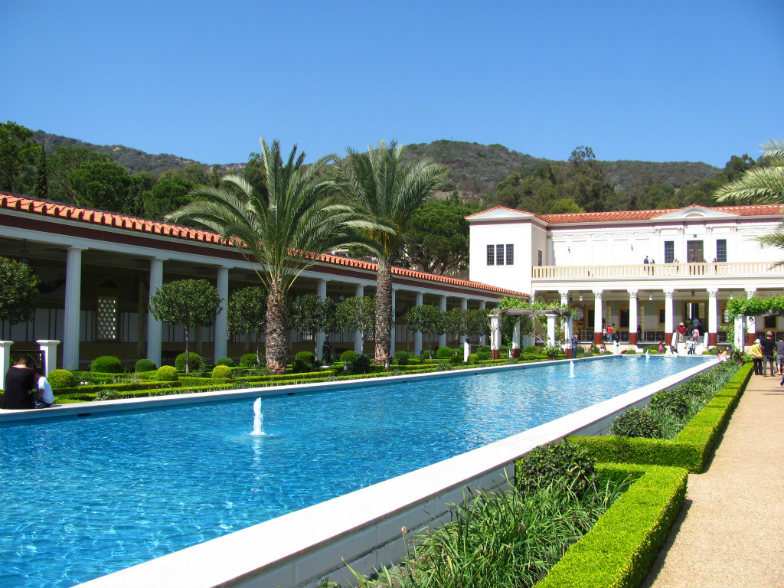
(362, 528)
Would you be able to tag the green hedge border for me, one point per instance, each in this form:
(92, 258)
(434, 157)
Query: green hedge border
(690, 449)
(621, 547)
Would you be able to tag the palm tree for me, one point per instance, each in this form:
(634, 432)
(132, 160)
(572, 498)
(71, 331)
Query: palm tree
(761, 184)
(282, 224)
(385, 189)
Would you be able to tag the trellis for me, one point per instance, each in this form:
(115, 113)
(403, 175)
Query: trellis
(513, 311)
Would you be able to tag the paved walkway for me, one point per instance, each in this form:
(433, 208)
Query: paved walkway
(731, 529)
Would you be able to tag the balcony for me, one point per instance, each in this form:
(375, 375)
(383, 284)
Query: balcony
(659, 271)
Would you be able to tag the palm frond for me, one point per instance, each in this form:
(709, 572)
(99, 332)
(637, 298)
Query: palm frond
(761, 184)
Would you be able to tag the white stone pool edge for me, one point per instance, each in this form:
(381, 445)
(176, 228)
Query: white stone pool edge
(362, 528)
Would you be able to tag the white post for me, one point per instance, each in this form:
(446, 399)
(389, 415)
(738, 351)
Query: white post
(566, 321)
(5, 357)
(632, 317)
(713, 318)
(321, 336)
(466, 350)
(359, 293)
(442, 336)
(73, 308)
(222, 318)
(551, 329)
(668, 322)
(751, 321)
(154, 327)
(418, 335)
(597, 317)
(516, 338)
(463, 337)
(495, 335)
(49, 349)
(738, 342)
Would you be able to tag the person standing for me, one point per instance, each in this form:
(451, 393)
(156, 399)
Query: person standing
(44, 396)
(19, 385)
(780, 354)
(756, 356)
(768, 354)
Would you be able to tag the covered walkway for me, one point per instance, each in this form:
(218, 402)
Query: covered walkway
(731, 530)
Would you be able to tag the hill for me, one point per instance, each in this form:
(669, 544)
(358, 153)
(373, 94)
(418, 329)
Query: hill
(474, 169)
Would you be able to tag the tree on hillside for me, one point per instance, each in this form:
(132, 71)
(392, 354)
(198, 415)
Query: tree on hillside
(248, 314)
(381, 186)
(190, 303)
(104, 185)
(587, 183)
(18, 154)
(437, 239)
(61, 164)
(18, 292)
(281, 225)
(42, 181)
(166, 196)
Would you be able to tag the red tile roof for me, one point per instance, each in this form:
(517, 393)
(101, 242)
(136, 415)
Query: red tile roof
(626, 215)
(111, 219)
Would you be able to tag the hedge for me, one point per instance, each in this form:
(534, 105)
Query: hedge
(690, 449)
(625, 541)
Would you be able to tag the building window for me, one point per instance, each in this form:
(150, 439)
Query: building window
(106, 318)
(539, 257)
(509, 254)
(499, 255)
(491, 255)
(669, 251)
(770, 322)
(721, 250)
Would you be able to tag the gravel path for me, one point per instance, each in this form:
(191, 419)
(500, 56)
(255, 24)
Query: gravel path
(731, 529)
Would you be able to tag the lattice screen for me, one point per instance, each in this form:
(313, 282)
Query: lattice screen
(107, 318)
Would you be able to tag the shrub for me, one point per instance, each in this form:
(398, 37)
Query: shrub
(347, 355)
(482, 348)
(445, 353)
(636, 423)
(360, 364)
(194, 361)
(529, 349)
(402, 357)
(107, 394)
(221, 372)
(503, 351)
(304, 361)
(166, 373)
(484, 355)
(675, 402)
(563, 464)
(61, 379)
(248, 360)
(225, 361)
(144, 365)
(473, 358)
(106, 364)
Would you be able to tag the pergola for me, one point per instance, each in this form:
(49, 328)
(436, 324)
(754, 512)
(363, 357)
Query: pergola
(550, 313)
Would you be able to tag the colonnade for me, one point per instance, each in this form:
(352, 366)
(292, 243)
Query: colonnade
(154, 328)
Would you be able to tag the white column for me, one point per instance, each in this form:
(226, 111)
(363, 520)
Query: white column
(495, 335)
(632, 316)
(713, 317)
(392, 328)
(418, 335)
(442, 336)
(551, 329)
(566, 321)
(321, 336)
(668, 322)
(222, 318)
(751, 321)
(73, 307)
(359, 292)
(5, 357)
(154, 327)
(597, 316)
(516, 338)
(49, 349)
(482, 338)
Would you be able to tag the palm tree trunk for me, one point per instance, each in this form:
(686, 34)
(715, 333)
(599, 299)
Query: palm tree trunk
(276, 343)
(383, 310)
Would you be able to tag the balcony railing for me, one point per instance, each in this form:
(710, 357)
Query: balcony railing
(735, 269)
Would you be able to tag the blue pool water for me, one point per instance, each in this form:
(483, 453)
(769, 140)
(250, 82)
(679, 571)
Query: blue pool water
(85, 497)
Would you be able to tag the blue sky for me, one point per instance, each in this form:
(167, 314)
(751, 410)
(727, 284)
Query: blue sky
(657, 81)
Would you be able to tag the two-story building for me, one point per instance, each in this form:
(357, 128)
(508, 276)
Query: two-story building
(643, 271)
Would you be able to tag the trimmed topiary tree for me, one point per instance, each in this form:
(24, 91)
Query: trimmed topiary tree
(61, 379)
(225, 361)
(250, 360)
(445, 353)
(304, 361)
(348, 355)
(402, 357)
(636, 423)
(564, 464)
(106, 364)
(145, 365)
(166, 373)
(221, 372)
(194, 361)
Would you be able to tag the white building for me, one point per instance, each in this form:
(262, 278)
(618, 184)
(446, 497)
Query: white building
(643, 271)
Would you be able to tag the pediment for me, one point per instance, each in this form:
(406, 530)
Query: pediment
(695, 212)
(500, 213)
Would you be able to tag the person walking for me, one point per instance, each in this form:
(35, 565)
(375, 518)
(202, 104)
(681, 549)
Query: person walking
(780, 354)
(768, 346)
(756, 356)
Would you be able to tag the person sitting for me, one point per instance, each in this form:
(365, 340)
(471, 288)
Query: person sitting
(661, 346)
(44, 397)
(19, 385)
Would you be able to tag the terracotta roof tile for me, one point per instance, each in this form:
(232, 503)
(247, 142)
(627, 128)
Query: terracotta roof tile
(625, 215)
(64, 211)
